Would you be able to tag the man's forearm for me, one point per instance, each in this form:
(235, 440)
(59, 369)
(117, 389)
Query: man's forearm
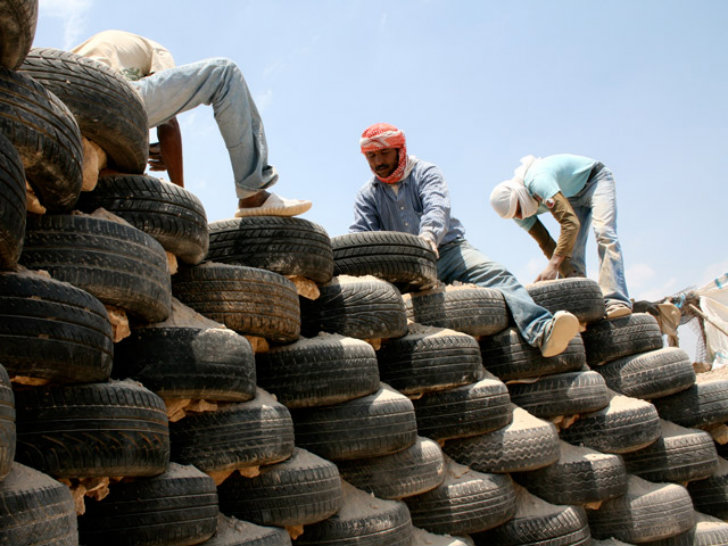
(569, 223)
(542, 237)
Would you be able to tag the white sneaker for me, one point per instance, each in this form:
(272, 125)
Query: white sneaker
(563, 327)
(616, 310)
(276, 205)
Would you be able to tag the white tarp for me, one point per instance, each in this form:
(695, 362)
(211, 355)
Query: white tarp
(714, 305)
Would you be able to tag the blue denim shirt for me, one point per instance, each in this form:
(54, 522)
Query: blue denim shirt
(421, 205)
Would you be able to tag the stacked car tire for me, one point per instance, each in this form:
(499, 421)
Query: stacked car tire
(379, 408)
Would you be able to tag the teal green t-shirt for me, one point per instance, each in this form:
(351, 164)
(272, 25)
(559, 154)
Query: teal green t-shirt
(565, 173)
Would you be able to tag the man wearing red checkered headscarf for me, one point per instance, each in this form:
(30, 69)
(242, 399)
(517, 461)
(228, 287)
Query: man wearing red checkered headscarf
(385, 148)
(409, 195)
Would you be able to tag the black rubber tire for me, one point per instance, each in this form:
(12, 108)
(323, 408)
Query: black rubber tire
(12, 204)
(608, 542)
(413, 471)
(570, 393)
(403, 259)
(177, 507)
(470, 309)
(527, 443)
(233, 532)
(625, 425)
(234, 436)
(36, 509)
(7, 424)
(650, 375)
(708, 531)
(537, 522)
(108, 110)
(580, 476)
(320, 371)
(466, 502)
(180, 362)
(579, 296)
(172, 215)
(363, 520)
(612, 339)
(46, 135)
(508, 356)
(119, 264)
(289, 246)
(302, 490)
(679, 455)
(470, 410)
(378, 424)
(245, 299)
(358, 307)
(52, 330)
(702, 405)
(18, 21)
(100, 429)
(711, 494)
(429, 359)
(648, 511)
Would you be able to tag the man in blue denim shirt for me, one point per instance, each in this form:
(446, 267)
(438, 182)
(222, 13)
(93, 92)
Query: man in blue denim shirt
(409, 195)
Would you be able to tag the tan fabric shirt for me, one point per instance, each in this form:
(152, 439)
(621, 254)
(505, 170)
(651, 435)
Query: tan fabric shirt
(565, 215)
(133, 55)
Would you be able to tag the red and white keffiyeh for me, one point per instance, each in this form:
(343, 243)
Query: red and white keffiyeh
(383, 135)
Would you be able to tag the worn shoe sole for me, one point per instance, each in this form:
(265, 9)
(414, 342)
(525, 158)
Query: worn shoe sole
(616, 311)
(564, 327)
(290, 210)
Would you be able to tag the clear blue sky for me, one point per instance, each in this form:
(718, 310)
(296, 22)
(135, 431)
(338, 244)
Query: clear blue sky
(639, 84)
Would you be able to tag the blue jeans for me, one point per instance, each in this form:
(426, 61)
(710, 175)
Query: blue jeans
(459, 261)
(596, 204)
(218, 82)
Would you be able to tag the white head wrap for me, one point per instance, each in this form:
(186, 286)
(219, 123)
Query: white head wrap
(507, 195)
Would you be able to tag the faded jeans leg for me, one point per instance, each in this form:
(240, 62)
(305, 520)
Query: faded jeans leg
(459, 261)
(599, 203)
(220, 83)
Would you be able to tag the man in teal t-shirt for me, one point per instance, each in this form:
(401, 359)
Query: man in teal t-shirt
(578, 191)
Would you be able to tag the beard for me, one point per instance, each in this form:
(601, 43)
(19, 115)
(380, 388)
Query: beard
(384, 171)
